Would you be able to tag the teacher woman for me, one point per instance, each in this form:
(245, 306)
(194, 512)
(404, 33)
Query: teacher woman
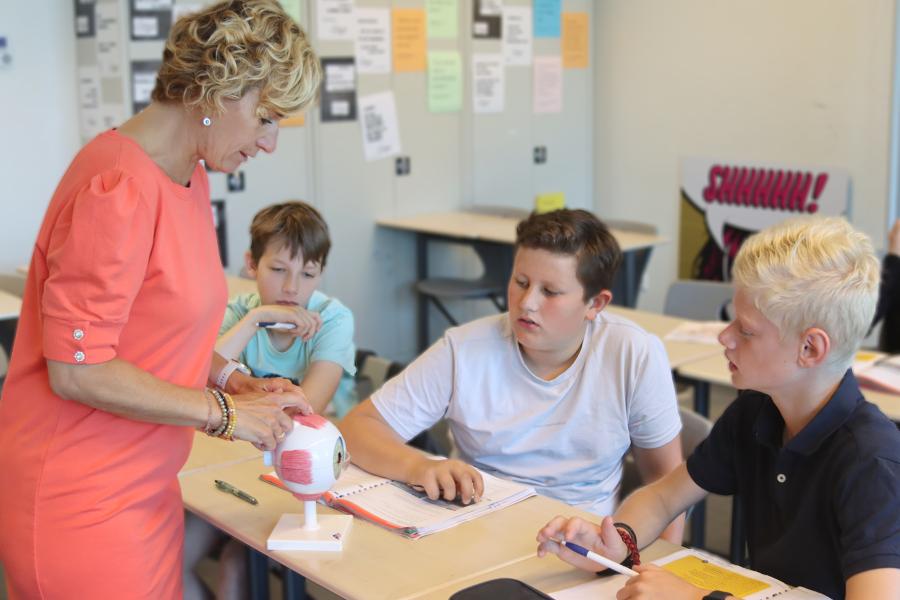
(124, 298)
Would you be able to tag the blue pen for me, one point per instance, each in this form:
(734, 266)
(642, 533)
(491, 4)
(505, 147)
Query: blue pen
(599, 559)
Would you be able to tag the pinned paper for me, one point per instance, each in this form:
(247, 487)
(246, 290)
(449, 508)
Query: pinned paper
(378, 117)
(575, 40)
(546, 18)
(335, 19)
(488, 83)
(373, 40)
(517, 35)
(547, 88)
(444, 82)
(409, 39)
(443, 18)
(544, 203)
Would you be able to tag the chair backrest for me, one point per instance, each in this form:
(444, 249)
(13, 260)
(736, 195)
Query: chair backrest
(694, 429)
(700, 300)
(496, 259)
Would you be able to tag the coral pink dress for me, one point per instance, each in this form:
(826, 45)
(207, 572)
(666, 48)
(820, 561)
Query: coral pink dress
(125, 266)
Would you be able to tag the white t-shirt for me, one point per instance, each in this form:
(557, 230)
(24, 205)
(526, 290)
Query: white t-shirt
(566, 437)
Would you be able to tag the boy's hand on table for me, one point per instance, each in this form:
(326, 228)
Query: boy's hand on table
(448, 479)
(307, 322)
(653, 583)
(603, 539)
(239, 383)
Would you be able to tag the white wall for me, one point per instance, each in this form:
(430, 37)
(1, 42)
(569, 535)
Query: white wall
(803, 82)
(38, 118)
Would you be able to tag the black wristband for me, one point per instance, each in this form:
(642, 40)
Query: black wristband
(717, 595)
(630, 531)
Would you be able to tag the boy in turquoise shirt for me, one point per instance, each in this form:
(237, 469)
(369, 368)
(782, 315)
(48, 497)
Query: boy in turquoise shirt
(289, 245)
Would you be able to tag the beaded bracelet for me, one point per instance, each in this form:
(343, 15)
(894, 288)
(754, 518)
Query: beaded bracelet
(232, 418)
(630, 539)
(210, 401)
(223, 406)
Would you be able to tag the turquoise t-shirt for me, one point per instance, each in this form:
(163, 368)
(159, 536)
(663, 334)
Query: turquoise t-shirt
(333, 342)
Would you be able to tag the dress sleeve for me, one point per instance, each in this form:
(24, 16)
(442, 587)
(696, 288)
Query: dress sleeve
(97, 259)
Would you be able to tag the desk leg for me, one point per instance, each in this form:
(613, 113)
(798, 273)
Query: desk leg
(630, 276)
(422, 301)
(294, 586)
(698, 525)
(701, 398)
(738, 538)
(258, 570)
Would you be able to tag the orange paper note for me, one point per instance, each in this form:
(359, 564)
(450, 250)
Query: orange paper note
(409, 39)
(575, 40)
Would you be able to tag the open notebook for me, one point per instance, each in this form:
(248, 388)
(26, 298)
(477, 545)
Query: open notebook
(702, 570)
(394, 506)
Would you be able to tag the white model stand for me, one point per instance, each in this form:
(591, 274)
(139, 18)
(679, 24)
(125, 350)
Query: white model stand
(309, 531)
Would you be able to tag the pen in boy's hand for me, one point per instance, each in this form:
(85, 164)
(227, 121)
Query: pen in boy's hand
(599, 559)
(230, 489)
(275, 325)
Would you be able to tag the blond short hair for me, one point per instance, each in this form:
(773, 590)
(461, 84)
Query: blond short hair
(813, 272)
(229, 48)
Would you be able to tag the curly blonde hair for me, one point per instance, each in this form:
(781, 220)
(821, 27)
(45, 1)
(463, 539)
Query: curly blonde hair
(229, 48)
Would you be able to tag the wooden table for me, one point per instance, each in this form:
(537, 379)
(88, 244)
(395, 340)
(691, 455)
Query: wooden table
(463, 227)
(375, 563)
(714, 369)
(680, 353)
(548, 574)
(10, 306)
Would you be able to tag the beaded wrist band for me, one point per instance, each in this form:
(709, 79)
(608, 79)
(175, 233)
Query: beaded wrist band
(210, 402)
(223, 406)
(232, 418)
(630, 539)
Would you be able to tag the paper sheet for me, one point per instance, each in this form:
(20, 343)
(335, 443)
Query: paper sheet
(488, 83)
(444, 81)
(517, 35)
(443, 18)
(697, 332)
(547, 93)
(373, 40)
(378, 117)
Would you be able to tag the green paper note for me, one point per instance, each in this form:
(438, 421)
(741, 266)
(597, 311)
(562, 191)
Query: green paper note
(444, 82)
(443, 18)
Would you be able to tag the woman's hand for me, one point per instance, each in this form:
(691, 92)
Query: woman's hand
(448, 479)
(654, 583)
(307, 323)
(263, 419)
(603, 539)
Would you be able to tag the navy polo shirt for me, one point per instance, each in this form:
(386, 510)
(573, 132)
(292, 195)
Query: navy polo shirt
(820, 509)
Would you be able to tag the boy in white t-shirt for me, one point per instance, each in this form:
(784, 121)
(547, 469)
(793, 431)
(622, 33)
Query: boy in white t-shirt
(551, 394)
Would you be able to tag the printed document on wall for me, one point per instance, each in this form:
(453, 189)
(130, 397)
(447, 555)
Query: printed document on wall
(89, 101)
(576, 43)
(443, 18)
(380, 131)
(517, 35)
(548, 81)
(373, 40)
(335, 19)
(488, 83)
(109, 31)
(444, 82)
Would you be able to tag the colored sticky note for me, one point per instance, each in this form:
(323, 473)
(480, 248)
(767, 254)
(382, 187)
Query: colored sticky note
(549, 202)
(443, 18)
(444, 82)
(294, 120)
(292, 8)
(575, 40)
(547, 18)
(409, 39)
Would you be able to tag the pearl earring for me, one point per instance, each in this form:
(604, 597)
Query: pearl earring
(207, 121)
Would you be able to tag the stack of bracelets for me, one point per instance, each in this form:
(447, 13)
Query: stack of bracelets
(627, 535)
(229, 415)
